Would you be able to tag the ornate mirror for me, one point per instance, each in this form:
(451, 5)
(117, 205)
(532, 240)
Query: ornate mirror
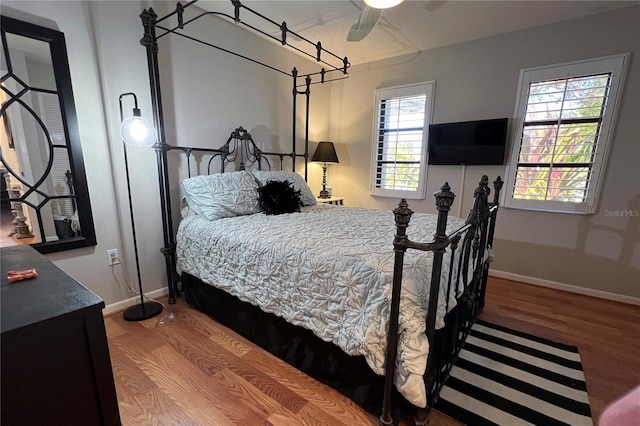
(45, 200)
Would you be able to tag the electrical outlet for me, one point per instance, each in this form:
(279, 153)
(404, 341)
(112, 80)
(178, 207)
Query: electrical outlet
(113, 257)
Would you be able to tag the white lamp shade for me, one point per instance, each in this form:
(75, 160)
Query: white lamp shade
(136, 131)
(382, 4)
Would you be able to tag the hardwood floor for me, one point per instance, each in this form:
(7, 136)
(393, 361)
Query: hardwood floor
(193, 371)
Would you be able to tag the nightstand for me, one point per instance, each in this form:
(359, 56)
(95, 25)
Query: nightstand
(338, 201)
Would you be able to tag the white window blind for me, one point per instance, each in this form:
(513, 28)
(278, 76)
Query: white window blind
(399, 155)
(52, 118)
(565, 115)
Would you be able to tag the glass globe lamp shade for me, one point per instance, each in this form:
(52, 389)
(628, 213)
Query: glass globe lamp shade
(136, 131)
(382, 4)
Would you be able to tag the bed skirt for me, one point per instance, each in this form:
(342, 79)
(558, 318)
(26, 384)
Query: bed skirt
(297, 346)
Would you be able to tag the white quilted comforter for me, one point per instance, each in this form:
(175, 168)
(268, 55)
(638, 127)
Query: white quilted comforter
(328, 269)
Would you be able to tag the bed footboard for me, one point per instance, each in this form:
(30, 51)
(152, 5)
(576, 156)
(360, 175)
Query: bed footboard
(469, 245)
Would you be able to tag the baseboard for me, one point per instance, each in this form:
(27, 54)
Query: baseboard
(124, 304)
(566, 287)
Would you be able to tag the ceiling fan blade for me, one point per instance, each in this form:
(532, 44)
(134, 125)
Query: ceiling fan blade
(368, 19)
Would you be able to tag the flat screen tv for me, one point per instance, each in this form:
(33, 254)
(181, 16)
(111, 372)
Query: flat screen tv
(480, 142)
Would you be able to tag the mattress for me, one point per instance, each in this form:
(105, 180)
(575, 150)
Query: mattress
(328, 269)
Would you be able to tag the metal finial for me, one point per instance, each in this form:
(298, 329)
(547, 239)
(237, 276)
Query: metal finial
(444, 198)
(236, 11)
(180, 12)
(484, 183)
(284, 30)
(402, 213)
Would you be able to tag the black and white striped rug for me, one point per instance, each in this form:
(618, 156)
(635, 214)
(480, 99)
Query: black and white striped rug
(504, 377)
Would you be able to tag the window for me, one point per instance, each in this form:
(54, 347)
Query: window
(565, 116)
(403, 115)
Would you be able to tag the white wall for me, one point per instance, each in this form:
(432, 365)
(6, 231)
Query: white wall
(478, 80)
(87, 265)
(206, 95)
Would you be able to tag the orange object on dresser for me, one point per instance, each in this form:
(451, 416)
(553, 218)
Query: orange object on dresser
(21, 275)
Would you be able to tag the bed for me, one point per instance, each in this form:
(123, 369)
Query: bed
(327, 272)
(328, 269)
(341, 293)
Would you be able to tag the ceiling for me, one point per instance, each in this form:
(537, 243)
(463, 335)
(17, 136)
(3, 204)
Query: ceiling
(412, 26)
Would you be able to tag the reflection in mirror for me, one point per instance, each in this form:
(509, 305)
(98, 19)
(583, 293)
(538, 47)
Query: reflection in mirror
(44, 194)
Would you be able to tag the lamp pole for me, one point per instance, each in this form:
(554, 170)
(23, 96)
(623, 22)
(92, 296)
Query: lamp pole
(324, 193)
(144, 310)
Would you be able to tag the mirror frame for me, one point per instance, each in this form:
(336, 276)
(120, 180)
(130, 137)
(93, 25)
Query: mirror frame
(60, 62)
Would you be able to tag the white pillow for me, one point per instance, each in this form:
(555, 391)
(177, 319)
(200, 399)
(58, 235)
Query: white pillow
(298, 182)
(221, 195)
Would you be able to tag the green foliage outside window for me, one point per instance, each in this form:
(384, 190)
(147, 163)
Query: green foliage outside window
(560, 138)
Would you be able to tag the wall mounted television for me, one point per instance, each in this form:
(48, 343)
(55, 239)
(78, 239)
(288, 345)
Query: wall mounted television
(480, 142)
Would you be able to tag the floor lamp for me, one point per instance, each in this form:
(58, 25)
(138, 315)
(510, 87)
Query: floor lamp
(136, 131)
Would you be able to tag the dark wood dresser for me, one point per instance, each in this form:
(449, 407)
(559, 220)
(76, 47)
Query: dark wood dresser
(55, 366)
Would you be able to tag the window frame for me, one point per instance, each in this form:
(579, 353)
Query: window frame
(616, 65)
(428, 89)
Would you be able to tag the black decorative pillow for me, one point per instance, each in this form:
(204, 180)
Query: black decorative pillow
(277, 197)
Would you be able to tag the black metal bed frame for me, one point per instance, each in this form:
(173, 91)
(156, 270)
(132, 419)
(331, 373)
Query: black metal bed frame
(240, 150)
(151, 24)
(474, 238)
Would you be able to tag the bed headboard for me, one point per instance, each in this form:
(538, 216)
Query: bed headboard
(241, 151)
